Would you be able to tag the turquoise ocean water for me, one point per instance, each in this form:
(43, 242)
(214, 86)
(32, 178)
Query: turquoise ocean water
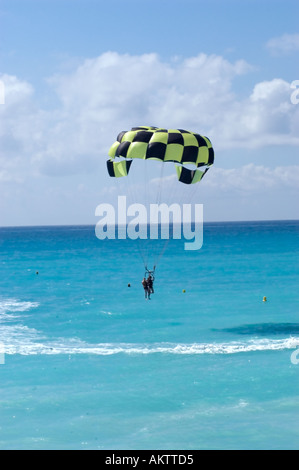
(89, 364)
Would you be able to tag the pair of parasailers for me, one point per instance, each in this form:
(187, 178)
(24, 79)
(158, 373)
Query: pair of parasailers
(148, 286)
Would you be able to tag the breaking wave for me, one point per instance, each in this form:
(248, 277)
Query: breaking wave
(16, 338)
(9, 308)
(30, 346)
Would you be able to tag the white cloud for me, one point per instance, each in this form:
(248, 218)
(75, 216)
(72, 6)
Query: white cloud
(20, 131)
(246, 180)
(285, 44)
(266, 117)
(252, 192)
(15, 89)
(252, 178)
(114, 92)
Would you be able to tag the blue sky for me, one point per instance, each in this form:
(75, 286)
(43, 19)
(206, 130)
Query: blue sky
(77, 72)
(39, 36)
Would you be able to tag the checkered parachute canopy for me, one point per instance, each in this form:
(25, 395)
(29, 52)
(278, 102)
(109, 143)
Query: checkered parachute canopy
(166, 145)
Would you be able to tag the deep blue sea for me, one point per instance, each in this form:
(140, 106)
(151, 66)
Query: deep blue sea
(89, 364)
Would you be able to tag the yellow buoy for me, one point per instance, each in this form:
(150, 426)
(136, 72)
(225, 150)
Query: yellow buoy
(265, 299)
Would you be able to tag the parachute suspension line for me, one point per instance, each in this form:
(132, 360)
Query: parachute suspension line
(156, 245)
(143, 143)
(144, 245)
(146, 202)
(150, 272)
(192, 194)
(160, 188)
(132, 192)
(184, 197)
(171, 188)
(162, 252)
(131, 189)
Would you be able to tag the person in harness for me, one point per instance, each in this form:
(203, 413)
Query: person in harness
(146, 288)
(148, 283)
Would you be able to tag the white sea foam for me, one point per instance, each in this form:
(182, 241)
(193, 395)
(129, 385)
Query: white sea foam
(8, 308)
(20, 339)
(33, 345)
(106, 312)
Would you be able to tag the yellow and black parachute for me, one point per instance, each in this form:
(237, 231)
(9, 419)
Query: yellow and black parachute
(165, 145)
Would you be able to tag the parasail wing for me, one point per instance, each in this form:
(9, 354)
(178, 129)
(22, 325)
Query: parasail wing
(167, 145)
